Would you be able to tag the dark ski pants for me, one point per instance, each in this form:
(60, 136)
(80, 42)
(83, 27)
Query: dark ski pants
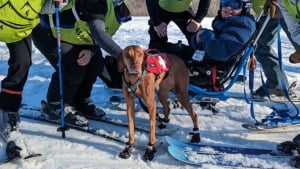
(12, 85)
(161, 43)
(77, 80)
(267, 56)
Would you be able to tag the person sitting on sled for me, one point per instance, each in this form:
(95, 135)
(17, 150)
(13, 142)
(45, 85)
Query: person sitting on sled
(233, 27)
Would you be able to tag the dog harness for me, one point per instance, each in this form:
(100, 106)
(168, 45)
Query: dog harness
(157, 63)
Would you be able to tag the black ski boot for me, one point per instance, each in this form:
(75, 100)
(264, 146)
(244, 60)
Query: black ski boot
(13, 151)
(149, 153)
(126, 153)
(195, 135)
(9, 130)
(89, 109)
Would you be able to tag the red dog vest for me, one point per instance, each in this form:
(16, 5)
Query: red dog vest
(158, 62)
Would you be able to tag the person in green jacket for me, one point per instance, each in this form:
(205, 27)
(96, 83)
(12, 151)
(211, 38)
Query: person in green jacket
(18, 18)
(266, 54)
(162, 12)
(86, 26)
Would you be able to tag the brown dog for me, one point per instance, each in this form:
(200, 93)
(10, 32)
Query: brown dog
(138, 81)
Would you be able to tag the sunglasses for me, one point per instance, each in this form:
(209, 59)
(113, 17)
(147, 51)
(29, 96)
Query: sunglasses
(232, 5)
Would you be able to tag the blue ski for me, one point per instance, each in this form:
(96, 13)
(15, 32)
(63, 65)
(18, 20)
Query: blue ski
(199, 160)
(217, 150)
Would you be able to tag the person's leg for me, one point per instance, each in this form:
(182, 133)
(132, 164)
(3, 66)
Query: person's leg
(45, 42)
(156, 41)
(294, 57)
(12, 85)
(84, 103)
(269, 59)
(110, 74)
(11, 93)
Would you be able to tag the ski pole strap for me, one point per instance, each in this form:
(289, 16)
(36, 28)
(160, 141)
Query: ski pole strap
(282, 79)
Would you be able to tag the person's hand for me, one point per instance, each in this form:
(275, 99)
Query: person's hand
(198, 40)
(193, 25)
(161, 29)
(272, 6)
(84, 57)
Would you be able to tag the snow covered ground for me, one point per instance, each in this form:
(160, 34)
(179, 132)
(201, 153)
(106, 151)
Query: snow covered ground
(83, 150)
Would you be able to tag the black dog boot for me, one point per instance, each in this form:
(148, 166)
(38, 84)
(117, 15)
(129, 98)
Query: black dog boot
(287, 147)
(295, 162)
(149, 153)
(126, 153)
(162, 122)
(195, 135)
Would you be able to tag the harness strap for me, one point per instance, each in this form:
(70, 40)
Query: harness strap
(131, 88)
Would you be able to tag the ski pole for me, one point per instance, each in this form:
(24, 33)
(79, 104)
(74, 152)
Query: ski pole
(62, 128)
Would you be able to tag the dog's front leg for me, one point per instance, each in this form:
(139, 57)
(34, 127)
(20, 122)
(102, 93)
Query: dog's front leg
(126, 153)
(151, 104)
(130, 117)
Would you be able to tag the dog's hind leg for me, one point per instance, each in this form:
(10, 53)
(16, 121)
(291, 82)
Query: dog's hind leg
(163, 97)
(184, 100)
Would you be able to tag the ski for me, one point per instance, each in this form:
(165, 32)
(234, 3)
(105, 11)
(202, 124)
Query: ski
(94, 131)
(271, 129)
(199, 160)
(219, 150)
(106, 119)
(205, 103)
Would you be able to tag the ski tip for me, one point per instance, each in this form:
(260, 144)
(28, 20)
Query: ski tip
(250, 127)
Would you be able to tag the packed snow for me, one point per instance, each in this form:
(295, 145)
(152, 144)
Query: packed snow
(82, 150)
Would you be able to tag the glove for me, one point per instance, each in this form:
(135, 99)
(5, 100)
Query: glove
(272, 5)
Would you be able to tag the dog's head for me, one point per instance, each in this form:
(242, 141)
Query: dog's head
(131, 60)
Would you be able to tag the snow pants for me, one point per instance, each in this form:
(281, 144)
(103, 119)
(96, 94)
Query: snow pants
(12, 85)
(77, 81)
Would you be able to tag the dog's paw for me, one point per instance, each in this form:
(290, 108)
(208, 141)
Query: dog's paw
(149, 154)
(195, 135)
(126, 153)
(163, 123)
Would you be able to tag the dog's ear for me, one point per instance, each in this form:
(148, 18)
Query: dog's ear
(121, 65)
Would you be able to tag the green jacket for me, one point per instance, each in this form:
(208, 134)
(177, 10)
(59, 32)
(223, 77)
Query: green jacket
(293, 9)
(175, 5)
(257, 5)
(18, 18)
(80, 34)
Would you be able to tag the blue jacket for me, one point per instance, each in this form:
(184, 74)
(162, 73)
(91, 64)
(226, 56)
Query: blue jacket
(227, 37)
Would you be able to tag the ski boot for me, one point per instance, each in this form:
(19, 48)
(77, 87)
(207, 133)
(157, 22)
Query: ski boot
(88, 109)
(72, 116)
(9, 130)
